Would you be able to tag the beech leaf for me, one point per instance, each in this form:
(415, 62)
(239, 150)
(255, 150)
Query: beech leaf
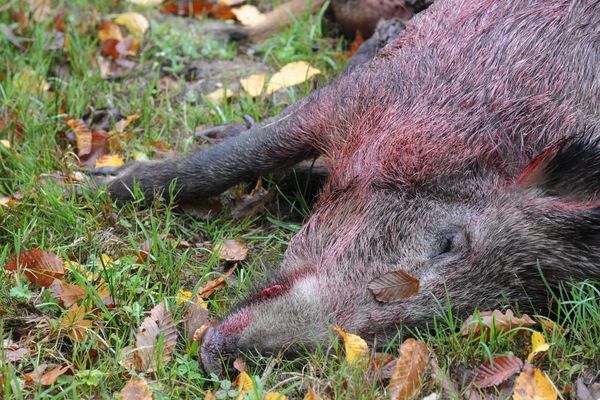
(39, 266)
(135, 22)
(394, 286)
(406, 379)
(291, 74)
(208, 288)
(233, 250)
(496, 372)
(67, 293)
(83, 136)
(538, 346)
(159, 323)
(136, 389)
(501, 322)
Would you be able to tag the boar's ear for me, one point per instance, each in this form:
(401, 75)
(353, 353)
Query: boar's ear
(568, 170)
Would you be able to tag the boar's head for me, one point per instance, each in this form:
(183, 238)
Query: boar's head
(469, 232)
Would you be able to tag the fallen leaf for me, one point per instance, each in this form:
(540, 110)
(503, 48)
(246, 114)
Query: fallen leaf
(549, 325)
(497, 371)
(196, 316)
(538, 346)
(357, 350)
(83, 136)
(67, 293)
(109, 30)
(41, 9)
(75, 323)
(39, 266)
(254, 84)
(381, 367)
(406, 379)
(30, 82)
(50, 377)
(217, 96)
(210, 396)
(135, 22)
(356, 43)
(533, 384)
(36, 374)
(248, 15)
(245, 385)
(311, 394)
(251, 204)
(8, 202)
(208, 288)
(274, 396)
(13, 354)
(183, 296)
(233, 250)
(240, 365)
(159, 323)
(291, 74)
(136, 389)
(501, 322)
(109, 160)
(5, 143)
(394, 286)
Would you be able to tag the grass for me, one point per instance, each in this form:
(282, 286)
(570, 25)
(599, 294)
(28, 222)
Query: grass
(83, 225)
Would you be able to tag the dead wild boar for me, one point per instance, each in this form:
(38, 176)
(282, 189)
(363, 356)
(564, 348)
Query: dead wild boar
(466, 153)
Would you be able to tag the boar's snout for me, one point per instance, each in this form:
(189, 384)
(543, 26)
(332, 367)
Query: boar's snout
(213, 351)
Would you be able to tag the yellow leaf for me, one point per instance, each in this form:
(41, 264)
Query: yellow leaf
(311, 395)
(248, 15)
(254, 84)
(183, 296)
(5, 143)
(109, 160)
(75, 323)
(274, 396)
(533, 384)
(538, 345)
(291, 74)
(30, 82)
(135, 22)
(245, 385)
(219, 95)
(357, 350)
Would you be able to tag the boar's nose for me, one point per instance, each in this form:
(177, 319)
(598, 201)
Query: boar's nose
(213, 353)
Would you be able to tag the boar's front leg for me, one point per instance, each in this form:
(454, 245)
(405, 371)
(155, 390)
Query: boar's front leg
(276, 143)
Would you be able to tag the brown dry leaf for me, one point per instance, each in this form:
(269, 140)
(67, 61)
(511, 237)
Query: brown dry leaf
(159, 323)
(291, 74)
(50, 377)
(254, 84)
(394, 286)
(208, 288)
(549, 325)
(39, 266)
(233, 250)
(13, 354)
(136, 389)
(75, 323)
(357, 350)
(248, 15)
(123, 124)
(67, 293)
(496, 372)
(109, 30)
(251, 204)
(135, 22)
(498, 320)
(217, 96)
(36, 374)
(41, 9)
(311, 394)
(109, 160)
(533, 384)
(196, 316)
(406, 379)
(83, 136)
(381, 367)
(240, 365)
(356, 43)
